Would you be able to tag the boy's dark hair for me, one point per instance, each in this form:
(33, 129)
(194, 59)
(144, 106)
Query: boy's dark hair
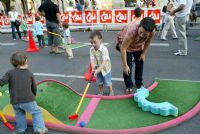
(37, 18)
(138, 12)
(148, 24)
(18, 59)
(94, 34)
(164, 10)
(65, 25)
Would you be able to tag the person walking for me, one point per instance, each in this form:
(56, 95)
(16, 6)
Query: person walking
(13, 16)
(181, 13)
(168, 23)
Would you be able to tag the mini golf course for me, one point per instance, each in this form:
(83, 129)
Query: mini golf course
(115, 114)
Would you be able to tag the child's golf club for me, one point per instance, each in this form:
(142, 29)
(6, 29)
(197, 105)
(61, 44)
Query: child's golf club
(75, 116)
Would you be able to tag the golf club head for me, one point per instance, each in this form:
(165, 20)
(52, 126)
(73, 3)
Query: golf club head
(73, 117)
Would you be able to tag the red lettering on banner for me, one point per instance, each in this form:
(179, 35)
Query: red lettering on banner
(105, 16)
(30, 19)
(133, 15)
(1, 20)
(121, 16)
(65, 17)
(91, 16)
(155, 14)
(77, 17)
(6, 21)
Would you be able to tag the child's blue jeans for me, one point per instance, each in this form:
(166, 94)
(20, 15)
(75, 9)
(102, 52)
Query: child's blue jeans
(33, 109)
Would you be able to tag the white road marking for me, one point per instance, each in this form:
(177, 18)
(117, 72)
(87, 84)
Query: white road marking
(7, 44)
(70, 76)
(160, 44)
(88, 44)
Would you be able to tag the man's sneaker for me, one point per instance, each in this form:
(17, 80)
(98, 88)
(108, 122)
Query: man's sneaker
(111, 93)
(179, 53)
(163, 39)
(100, 93)
(43, 131)
(70, 57)
(175, 38)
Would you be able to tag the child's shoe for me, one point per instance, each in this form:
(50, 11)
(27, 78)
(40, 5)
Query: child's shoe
(100, 93)
(42, 131)
(111, 93)
(129, 91)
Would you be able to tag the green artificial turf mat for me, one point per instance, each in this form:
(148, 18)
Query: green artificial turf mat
(125, 114)
(59, 101)
(4, 99)
(182, 94)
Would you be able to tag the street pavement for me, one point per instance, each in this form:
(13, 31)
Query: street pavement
(159, 63)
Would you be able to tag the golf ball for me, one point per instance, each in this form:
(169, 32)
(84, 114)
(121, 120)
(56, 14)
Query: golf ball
(82, 124)
(0, 93)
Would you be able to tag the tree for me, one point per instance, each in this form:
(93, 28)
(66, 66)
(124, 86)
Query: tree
(6, 4)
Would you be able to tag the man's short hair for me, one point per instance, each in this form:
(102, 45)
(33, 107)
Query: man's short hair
(18, 59)
(148, 24)
(94, 34)
(138, 12)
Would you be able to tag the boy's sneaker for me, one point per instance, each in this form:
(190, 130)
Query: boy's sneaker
(129, 90)
(100, 93)
(111, 93)
(42, 131)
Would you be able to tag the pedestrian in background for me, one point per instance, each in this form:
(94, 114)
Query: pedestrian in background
(22, 89)
(182, 12)
(53, 21)
(13, 16)
(38, 27)
(67, 40)
(24, 26)
(168, 23)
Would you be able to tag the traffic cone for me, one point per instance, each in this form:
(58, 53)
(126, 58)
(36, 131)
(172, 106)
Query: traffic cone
(32, 46)
(88, 74)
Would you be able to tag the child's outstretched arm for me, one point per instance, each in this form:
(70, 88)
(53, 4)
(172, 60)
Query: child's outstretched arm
(33, 86)
(4, 80)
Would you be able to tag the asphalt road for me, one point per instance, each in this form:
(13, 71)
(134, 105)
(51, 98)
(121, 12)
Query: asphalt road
(160, 63)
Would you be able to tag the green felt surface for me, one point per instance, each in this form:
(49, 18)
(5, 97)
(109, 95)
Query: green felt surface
(4, 99)
(59, 101)
(125, 114)
(114, 114)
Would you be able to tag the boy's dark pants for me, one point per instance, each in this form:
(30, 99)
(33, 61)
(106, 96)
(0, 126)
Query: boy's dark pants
(41, 40)
(138, 69)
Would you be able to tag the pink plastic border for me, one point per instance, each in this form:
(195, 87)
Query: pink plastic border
(148, 129)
